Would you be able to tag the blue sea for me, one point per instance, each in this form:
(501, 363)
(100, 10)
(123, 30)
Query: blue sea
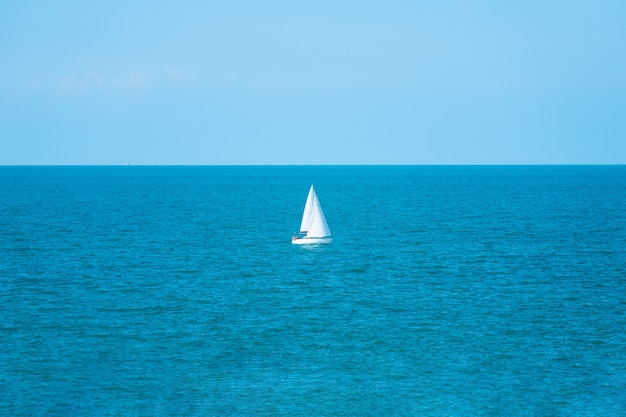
(447, 291)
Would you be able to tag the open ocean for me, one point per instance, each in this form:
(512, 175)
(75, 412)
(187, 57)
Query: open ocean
(447, 291)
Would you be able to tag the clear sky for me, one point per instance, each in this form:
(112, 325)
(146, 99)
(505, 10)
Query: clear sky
(312, 82)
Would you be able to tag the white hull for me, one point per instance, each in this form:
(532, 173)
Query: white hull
(312, 241)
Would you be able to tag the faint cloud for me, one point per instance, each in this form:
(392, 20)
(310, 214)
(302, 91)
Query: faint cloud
(177, 73)
(72, 84)
(132, 81)
(92, 82)
(178, 76)
(95, 81)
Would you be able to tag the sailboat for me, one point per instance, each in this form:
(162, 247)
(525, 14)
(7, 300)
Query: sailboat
(313, 229)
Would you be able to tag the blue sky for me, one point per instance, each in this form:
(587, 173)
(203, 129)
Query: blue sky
(313, 82)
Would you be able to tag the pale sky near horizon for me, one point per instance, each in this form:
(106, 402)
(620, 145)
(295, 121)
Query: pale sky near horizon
(312, 82)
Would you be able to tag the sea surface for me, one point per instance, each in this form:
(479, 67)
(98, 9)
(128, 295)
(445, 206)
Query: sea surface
(447, 291)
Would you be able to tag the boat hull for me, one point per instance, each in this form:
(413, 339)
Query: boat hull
(312, 241)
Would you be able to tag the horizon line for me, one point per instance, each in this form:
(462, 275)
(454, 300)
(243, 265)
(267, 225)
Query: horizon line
(314, 165)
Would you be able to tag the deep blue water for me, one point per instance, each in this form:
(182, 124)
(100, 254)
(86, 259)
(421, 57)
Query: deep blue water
(448, 291)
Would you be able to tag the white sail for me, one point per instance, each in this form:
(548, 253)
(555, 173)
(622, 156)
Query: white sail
(319, 227)
(308, 211)
(313, 223)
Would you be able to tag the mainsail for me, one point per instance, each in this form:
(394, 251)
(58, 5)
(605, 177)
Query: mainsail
(318, 227)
